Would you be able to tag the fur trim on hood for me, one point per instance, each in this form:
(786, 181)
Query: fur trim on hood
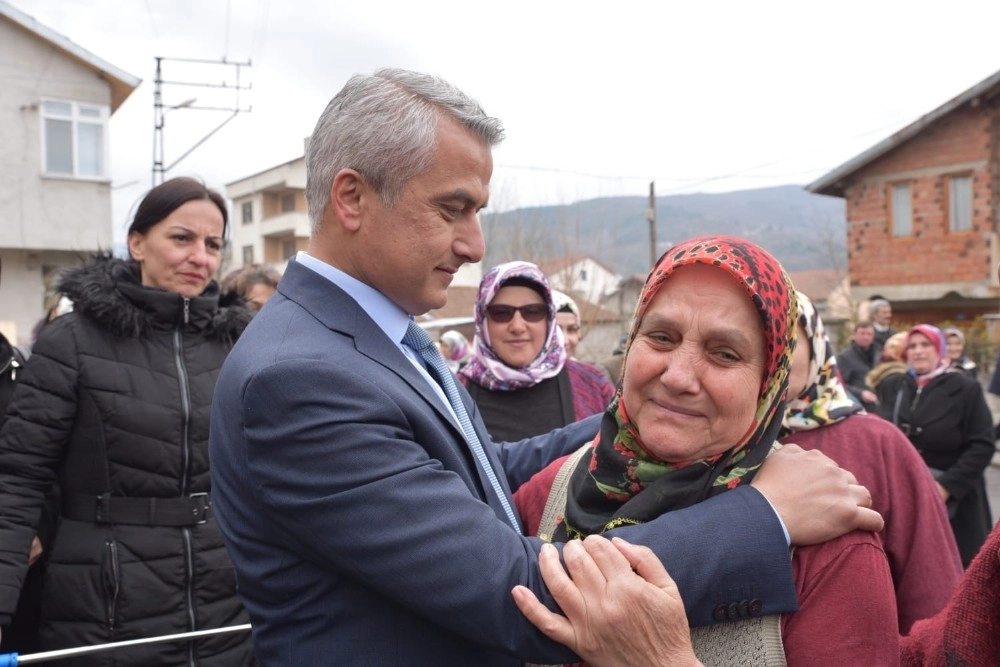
(878, 374)
(108, 291)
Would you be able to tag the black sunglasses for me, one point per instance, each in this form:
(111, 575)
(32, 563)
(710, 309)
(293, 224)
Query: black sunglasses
(533, 312)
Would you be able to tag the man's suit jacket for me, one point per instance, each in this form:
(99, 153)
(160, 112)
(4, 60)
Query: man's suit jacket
(362, 530)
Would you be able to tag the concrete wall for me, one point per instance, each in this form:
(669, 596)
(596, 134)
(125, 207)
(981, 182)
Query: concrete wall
(25, 288)
(38, 212)
(46, 223)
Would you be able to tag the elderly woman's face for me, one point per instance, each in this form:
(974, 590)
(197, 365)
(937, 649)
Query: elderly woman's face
(955, 347)
(921, 354)
(693, 372)
(517, 342)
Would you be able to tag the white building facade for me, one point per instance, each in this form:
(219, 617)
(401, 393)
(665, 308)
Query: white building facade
(55, 178)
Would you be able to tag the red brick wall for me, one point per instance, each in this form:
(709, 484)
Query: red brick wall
(932, 253)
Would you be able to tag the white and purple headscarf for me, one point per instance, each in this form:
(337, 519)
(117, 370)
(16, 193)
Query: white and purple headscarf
(487, 369)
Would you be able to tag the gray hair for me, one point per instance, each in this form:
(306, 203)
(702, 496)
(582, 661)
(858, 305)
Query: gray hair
(384, 126)
(876, 304)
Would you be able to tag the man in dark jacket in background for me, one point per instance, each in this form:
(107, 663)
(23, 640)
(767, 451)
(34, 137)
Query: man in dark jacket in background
(856, 361)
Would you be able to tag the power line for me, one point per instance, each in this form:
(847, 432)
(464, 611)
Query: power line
(160, 110)
(696, 181)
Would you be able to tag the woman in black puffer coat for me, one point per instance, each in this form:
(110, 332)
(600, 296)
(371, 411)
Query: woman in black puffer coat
(114, 405)
(944, 414)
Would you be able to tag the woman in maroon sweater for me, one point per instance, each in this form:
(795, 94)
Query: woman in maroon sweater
(696, 414)
(918, 540)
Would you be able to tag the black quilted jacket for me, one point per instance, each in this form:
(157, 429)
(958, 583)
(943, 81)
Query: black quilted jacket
(115, 399)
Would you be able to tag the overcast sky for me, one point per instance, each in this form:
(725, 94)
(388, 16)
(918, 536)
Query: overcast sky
(597, 98)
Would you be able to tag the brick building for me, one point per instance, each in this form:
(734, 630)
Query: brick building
(923, 213)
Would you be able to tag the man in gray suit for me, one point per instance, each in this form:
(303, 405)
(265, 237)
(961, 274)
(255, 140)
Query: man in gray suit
(366, 513)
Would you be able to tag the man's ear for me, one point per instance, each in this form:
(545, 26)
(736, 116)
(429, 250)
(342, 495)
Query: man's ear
(348, 196)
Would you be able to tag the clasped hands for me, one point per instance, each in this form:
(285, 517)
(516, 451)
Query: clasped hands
(622, 607)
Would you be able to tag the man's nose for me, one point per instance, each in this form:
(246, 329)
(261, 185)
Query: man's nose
(469, 243)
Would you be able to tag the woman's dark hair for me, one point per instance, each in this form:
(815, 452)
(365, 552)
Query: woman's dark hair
(169, 196)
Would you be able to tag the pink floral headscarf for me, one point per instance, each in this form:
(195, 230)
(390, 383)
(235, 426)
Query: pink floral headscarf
(487, 369)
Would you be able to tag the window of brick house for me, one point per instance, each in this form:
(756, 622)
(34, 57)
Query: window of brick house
(288, 204)
(247, 255)
(960, 203)
(247, 210)
(74, 139)
(288, 248)
(901, 211)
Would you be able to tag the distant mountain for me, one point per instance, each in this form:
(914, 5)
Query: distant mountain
(803, 230)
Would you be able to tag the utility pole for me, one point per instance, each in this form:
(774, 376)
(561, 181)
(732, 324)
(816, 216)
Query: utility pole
(651, 218)
(160, 110)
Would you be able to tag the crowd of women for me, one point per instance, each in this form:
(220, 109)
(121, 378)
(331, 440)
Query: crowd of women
(104, 473)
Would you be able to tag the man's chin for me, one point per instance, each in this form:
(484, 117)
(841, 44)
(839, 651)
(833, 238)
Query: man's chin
(432, 302)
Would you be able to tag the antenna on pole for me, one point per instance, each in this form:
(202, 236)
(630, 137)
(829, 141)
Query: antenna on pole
(160, 110)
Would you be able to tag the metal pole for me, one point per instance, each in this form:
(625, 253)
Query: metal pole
(12, 659)
(157, 124)
(651, 217)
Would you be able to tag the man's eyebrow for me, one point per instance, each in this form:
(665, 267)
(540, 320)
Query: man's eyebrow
(466, 199)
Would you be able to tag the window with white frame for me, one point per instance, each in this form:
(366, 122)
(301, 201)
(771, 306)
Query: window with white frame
(74, 139)
(960, 203)
(902, 210)
(247, 211)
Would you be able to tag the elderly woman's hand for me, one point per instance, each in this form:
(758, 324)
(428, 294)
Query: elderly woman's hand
(621, 606)
(816, 499)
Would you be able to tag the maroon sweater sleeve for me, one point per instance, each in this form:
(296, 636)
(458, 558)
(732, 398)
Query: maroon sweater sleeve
(847, 605)
(918, 539)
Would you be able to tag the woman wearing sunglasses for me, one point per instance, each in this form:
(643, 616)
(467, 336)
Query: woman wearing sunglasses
(520, 375)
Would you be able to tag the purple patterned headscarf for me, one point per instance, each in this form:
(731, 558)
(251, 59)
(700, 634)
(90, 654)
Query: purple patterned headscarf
(485, 368)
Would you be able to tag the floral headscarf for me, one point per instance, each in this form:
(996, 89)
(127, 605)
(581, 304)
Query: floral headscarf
(937, 339)
(604, 490)
(824, 400)
(459, 350)
(487, 369)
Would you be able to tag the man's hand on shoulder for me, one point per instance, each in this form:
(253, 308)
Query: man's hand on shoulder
(816, 499)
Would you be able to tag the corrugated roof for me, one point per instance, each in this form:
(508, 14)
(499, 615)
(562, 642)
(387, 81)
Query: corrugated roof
(122, 83)
(833, 183)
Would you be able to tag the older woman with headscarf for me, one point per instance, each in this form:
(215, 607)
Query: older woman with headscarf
(455, 349)
(520, 375)
(698, 410)
(945, 416)
(821, 415)
(957, 356)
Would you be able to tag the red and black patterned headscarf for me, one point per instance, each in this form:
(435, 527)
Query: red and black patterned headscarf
(606, 489)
